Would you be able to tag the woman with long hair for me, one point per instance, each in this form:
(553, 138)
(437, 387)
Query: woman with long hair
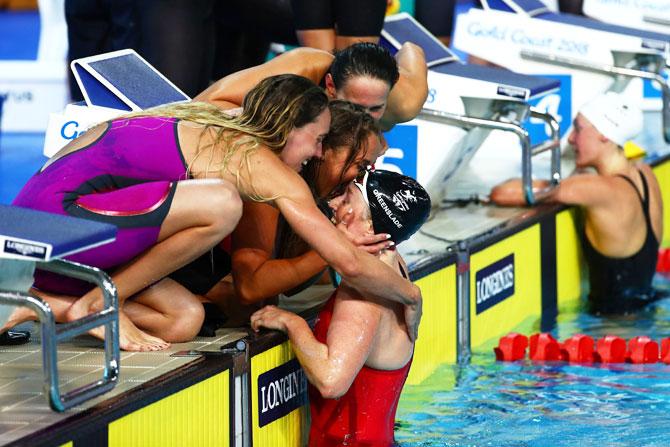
(268, 258)
(174, 178)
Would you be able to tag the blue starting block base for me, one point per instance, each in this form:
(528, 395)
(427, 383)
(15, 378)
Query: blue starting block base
(123, 80)
(32, 235)
(32, 239)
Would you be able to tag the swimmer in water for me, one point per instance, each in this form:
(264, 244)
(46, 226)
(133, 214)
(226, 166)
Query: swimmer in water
(621, 204)
(358, 356)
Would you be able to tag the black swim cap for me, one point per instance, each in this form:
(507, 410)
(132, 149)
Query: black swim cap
(398, 204)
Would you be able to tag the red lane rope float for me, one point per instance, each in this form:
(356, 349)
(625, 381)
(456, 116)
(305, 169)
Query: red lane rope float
(610, 349)
(578, 349)
(642, 349)
(663, 262)
(544, 347)
(512, 347)
(583, 349)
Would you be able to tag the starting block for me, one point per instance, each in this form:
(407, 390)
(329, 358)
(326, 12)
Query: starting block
(32, 239)
(466, 106)
(112, 84)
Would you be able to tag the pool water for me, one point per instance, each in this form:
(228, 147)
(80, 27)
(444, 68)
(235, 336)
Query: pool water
(489, 403)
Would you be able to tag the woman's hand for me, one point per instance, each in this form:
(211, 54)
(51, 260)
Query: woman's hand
(372, 243)
(271, 317)
(413, 314)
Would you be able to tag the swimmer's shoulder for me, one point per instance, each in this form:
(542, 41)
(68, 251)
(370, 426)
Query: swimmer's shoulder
(648, 171)
(308, 62)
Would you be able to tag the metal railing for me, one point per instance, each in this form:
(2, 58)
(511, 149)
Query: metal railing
(509, 115)
(51, 334)
(628, 64)
(656, 20)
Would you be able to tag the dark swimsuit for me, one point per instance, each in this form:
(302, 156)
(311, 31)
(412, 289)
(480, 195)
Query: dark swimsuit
(620, 285)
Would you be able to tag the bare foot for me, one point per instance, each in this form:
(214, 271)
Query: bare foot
(18, 316)
(130, 337)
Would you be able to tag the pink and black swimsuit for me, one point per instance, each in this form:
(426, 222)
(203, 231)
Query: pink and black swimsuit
(126, 177)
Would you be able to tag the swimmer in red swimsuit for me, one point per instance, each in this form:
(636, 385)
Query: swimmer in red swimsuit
(359, 355)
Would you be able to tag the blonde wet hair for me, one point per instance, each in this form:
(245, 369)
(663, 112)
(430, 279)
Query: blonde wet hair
(270, 111)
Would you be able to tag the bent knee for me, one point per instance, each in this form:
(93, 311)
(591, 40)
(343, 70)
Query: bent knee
(224, 208)
(186, 323)
(233, 204)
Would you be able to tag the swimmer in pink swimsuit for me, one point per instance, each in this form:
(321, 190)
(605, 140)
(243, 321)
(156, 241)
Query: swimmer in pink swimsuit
(359, 355)
(133, 172)
(112, 179)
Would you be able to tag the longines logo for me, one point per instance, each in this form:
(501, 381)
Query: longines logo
(280, 391)
(494, 283)
(25, 249)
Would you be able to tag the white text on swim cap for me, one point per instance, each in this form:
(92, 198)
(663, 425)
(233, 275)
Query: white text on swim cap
(401, 198)
(386, 209)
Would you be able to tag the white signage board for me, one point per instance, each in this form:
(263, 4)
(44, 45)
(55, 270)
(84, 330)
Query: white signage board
(650, 15)
(72, 122)
(500, 37)
(31, 91)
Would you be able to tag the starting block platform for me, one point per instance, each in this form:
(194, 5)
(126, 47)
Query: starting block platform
(31, 239)
(112, 84)
(30, 235)
(588, 56)
(470, 107)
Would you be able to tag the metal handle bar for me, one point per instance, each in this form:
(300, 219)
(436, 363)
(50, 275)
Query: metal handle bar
(51, 335)
(527, 152)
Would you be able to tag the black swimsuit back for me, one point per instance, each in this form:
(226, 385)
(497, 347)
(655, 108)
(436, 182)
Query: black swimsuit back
(621, 285)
